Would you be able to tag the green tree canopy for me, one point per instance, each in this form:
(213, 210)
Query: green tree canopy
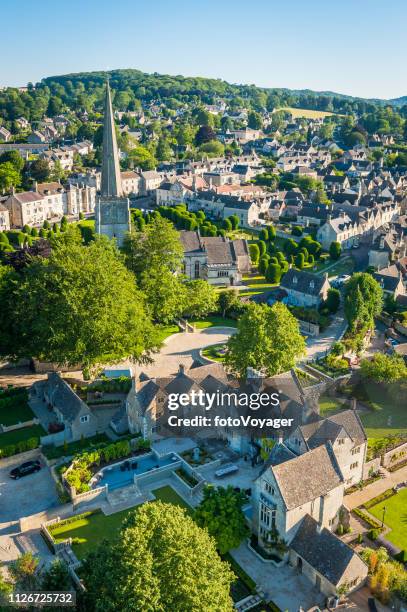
(161, 560)
(363, 301)
(384, 368)
(335, 250)
(80, 305)
(267, 338)
(220, 511)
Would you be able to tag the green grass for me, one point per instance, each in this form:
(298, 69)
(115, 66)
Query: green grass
(214, 321)
(92, 529)
(395, 517)
(16, 414)
(387, 417)
(54, 452)
(13, 437)
(329, 406)
(212, 352)
(167, 330)
(343, 266)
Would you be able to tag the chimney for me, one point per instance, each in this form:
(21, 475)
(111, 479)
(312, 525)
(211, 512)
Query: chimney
(181, 369)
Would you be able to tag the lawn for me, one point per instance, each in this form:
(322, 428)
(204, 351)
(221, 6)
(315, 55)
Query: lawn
(386, 416)
(305, 112)
(213, 352)
(17, 412)
(214, 321)
(90, 530)
(329, 406)
(167, 330)
(343, 266)
(20, 435)
(395, 517)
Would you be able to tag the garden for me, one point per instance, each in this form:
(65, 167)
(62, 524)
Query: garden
(395, 517)
(20, 440)
(14, 406)
(216, 352)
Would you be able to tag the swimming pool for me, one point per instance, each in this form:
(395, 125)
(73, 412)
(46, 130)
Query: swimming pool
(115, 477)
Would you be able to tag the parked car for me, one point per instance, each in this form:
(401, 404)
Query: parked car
(29, 467)
(340, 280)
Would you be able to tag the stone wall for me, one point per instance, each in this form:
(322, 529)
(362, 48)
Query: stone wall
(392, 457)
(6, 428)
(371, 467)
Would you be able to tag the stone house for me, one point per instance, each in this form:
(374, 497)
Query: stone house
(27, 208)
(391, 281)
(387, 247)
(150, 181)
(130, 182)
(348, 439)
(68, 407)
(300, 499)
(5, 135)
(305, 289)
(216, 259)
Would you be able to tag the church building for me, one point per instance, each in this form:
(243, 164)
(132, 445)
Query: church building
(112, 211)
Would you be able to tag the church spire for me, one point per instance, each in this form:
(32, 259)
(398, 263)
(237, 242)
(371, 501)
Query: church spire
(111, 179)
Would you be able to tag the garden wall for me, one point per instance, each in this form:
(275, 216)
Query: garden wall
(401, 328)
(393, 456)
(56, 439)
(6, 428)
(369, 466)
(89, 496)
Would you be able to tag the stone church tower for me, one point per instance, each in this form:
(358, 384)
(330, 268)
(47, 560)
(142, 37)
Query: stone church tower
(112, 210)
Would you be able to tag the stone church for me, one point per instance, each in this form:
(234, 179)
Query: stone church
(112, 211)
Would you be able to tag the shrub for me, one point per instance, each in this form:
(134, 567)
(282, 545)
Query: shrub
(367, 518)
(376, 500)
(373, 534)
(296, 230)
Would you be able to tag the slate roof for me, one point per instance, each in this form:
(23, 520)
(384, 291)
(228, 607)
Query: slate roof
(388, 278)
(345, 423)
(190, 241)
(63, 397)
(26, 197)
(308, 476)
(326, 553)
(279, 454)
(304, 282)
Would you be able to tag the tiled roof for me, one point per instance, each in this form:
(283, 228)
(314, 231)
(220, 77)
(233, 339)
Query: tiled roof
(304, 282)
(308, 476)
(326, 553)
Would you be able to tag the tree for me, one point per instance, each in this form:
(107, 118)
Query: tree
(254, 253)
(272, 232)
(204, 134)
(141, 157)
(163, 151)
(267, 339)
(333, 300)
(273, 273)
(227, 224)
(363, 301)
(384, 368)
(234, 219)
(254, 121)
(24, 572)
(9, 176)
(262, 247)
(39, 170)
(335, 250)
(220, 512)
(161, 560)
(80, 305)
(213, 148)
(299, 261)
(263, 234)
(14, 158)
(201, 298)
(56, 577)
(228, 301)
(263, 264)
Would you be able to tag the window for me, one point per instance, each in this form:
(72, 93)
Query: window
(268, 488)
(331, 521)
(341, 441)
(354, 465)
(222, 273)
(356, 450)
(84, 418)
(196, 269)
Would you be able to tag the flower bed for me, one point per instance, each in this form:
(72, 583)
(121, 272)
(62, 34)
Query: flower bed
(183, 474)
(367, 518)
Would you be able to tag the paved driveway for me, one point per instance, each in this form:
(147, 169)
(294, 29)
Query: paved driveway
(184, 349)
(26, 496)
(318, 346)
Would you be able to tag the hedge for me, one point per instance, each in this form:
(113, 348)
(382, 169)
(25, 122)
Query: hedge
(376, 500)
(367, 518)
(71, 519)
(20, 447)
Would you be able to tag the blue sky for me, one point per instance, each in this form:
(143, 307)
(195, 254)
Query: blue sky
(356, 47)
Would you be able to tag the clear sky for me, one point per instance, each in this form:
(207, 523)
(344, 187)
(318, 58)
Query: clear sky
(357, 47)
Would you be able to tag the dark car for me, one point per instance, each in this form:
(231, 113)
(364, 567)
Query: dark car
(29, 467)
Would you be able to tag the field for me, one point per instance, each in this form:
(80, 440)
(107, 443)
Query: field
(19, 435)
(91, 530)
(305, 112)
(395, 517)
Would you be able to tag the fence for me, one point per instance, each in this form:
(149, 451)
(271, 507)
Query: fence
(21, 425)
